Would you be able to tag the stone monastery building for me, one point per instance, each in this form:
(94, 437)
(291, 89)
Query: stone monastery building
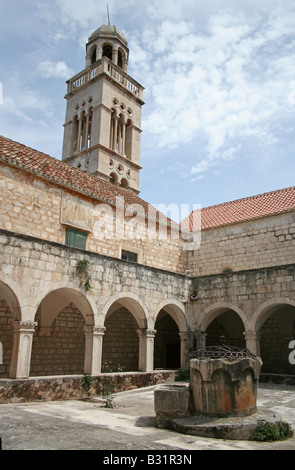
(92, 275)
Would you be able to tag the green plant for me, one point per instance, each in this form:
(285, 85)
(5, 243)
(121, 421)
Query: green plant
(87, 285)
(86, 382)
(82, 271)
(108, 396)
(268, 432)
(82, 266)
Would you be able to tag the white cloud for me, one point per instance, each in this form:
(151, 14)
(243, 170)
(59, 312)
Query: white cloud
(227, 83)
(50, 69)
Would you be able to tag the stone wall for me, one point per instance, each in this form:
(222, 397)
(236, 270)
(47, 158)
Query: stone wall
(120, 342)
(72, 388)
(61, 350)
(39, 208)
(250, 245)
(6, 336)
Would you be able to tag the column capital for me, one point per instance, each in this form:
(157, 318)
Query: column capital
(24, 326)
(146, 333)
(185, 335)
(95, 330)
(252, 335)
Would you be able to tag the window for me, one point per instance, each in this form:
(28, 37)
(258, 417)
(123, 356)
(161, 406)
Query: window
(76, 239)
(129, 256)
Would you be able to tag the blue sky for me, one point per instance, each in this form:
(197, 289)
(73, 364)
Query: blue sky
(219, 76)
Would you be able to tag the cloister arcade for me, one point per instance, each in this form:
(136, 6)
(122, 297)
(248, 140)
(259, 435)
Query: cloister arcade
(60, 338)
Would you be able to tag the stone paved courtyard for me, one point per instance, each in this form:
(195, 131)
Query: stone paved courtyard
(130, 425)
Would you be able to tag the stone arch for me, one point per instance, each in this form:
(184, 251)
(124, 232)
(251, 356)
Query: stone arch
(107, 50)
(11, 293)
(213, 311)
(274, 325)
(65, 294)
(176, 310)
(170, 322)
(132, 303)
(222, 319)
(125, 317)
(124, 183)
(267, 309)
(59, 340)
(10, 312)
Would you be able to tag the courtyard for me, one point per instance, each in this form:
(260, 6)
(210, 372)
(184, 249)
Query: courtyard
(129, 426)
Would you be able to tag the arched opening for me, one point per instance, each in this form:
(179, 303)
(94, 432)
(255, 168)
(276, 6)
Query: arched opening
(128, 139)
(113, 178)
(228, 324)
(75, 130)
(93, 55)
(59, 339)
(124, 183)
(167, 342)
(124, 316)
(120, 59)
(6, 338)
(107, 51)
(88, 128)
(9, 312)
(276, 333)
(120, 342)
(60, 348)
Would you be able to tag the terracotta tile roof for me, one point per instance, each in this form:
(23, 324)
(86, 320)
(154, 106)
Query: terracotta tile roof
(51, 169)
(58, 172)
(246, 209)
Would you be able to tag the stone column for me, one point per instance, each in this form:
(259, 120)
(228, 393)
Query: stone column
(22, 349)
(124, 122)
(146, 350)
(115, 135)
(184, 349)
(202, 339)
(79, 134)
(253, 342)
(115, 56)
(93, 350)
(86, 132)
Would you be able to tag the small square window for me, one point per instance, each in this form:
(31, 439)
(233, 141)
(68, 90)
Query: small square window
(76, 239)
(129, 256)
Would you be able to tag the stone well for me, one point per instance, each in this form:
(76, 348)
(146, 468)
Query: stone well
(225, 386)
(220, 401)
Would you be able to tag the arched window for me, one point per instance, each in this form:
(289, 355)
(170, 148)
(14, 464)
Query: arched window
(113, 178)
(120, 59)
(107, 52)
(128, 139)
(118, 133)
(93, 56)
(124, 183)
(75, 130)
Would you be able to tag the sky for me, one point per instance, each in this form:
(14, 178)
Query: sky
(219, 76)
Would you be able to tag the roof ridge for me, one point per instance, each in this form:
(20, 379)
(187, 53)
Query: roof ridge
(246, 198)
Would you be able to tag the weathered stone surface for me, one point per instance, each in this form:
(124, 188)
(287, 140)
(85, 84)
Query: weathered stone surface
(172, 400)
(223, 428)
(225, 387)
(71, 387)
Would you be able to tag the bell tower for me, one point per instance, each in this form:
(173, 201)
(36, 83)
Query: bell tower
(102, 129)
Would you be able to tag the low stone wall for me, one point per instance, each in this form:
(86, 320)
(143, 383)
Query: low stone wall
(75, 387)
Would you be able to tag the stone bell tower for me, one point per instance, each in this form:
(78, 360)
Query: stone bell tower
(102, 129)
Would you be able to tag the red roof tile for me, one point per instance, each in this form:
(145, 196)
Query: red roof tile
(61, 173)
(58, 172)
(241, 210)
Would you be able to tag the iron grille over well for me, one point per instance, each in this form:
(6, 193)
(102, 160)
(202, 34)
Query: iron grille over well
(221, 351)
